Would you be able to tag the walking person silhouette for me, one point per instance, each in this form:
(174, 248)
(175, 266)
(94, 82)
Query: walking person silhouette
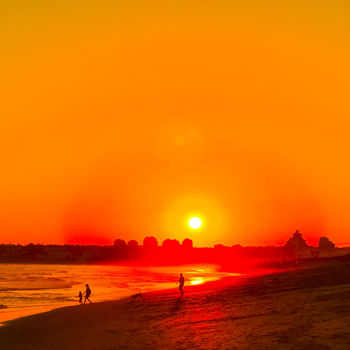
(181, 282)
(87, 294)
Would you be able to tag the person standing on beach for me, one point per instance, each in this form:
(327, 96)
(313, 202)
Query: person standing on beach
(181, 282)
(87, 294)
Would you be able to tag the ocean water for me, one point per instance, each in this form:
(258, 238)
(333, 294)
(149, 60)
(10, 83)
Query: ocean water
(28, 288)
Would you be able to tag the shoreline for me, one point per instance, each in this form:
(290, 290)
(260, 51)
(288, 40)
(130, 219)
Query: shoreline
(229, 279)
(10, 314)
(158, 293)
(298, 309)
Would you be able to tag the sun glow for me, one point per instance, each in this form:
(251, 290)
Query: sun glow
(195, 223)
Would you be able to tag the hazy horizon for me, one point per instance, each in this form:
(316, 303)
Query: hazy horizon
(100, 242)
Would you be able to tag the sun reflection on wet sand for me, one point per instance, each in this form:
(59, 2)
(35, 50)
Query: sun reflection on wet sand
(197, 280)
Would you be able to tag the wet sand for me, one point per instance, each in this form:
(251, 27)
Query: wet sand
(304, 309)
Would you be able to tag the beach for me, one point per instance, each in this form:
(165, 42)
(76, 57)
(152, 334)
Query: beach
(301, 309)
(27, 289)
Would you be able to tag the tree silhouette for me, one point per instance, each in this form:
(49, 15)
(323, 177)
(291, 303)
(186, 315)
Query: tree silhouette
(133, 249)
(120, 249)
(150, 243)
(133, 245)
(171, 244)
(187, 243)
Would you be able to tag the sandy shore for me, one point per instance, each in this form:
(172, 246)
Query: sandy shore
(305, 309)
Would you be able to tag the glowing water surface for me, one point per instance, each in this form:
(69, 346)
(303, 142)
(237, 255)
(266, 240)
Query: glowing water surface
(29, 289)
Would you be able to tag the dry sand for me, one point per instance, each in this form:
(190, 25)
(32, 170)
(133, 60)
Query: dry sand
(305, 309)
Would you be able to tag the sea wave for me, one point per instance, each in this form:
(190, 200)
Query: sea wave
(37, 285)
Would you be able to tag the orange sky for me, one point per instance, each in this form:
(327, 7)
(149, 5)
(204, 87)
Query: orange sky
(124, 118)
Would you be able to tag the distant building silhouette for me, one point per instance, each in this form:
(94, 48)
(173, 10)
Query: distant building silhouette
(327, 248)
(325, 245)
(297, 246)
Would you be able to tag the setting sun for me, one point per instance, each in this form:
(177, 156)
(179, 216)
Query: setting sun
(195, 223)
